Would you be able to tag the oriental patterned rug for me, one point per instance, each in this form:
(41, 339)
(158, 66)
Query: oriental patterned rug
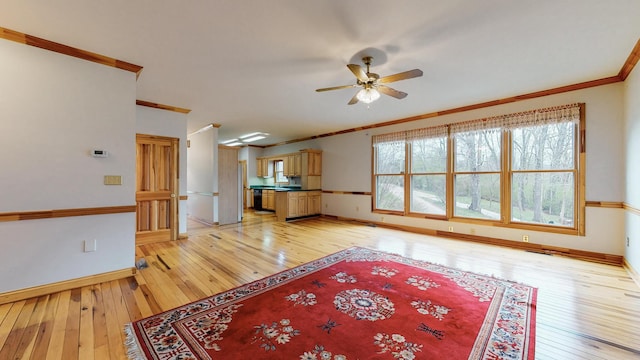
(355, 304)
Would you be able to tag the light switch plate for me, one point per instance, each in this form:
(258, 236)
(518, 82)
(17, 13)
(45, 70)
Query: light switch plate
(90, 245)
(113, 180)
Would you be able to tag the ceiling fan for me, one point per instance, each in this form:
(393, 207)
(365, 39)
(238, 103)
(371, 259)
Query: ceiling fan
(372, 84)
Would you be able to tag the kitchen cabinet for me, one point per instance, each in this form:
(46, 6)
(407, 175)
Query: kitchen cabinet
(314, 163)
(303, 204)
(292, 204)
(314, 202)
(268, 199)
(263, 167)
(297, 204)
(292, 165)
(306, 165)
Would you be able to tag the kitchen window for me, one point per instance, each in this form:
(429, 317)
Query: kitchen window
(279, 171)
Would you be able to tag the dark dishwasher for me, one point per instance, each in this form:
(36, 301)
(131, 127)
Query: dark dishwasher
(257, 199)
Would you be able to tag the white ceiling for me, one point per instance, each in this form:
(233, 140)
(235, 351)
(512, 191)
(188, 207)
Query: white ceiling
(254, 65)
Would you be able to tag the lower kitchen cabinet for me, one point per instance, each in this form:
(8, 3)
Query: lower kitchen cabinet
(268, 199)
(296, 204)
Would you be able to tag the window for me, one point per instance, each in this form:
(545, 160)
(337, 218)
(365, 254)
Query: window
(543, 176)
(279, 171)
(477, 173)
(428, 172)
(389, 174)
(519, 170)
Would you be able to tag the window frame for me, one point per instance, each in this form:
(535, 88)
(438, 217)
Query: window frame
(374, 180)
(279, 174)
(411, 174)
(505, 175)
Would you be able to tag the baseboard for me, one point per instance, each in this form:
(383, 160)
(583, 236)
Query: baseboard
(539, 248)
(632, 272)
(41, 290)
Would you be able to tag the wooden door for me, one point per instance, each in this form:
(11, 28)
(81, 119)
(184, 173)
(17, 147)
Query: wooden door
(228, 185)
(156, 188)
(245, 187)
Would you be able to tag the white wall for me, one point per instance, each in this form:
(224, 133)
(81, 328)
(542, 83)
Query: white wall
(202, 175)
(53, 110)
(632, 161)
(173, 124)
(346, 166)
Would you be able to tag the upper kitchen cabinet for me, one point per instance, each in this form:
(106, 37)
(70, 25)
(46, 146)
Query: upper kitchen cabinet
(314, 158)
(264, 167)
(292, 165)
(311, 177)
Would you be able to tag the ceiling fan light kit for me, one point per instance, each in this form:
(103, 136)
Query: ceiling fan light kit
(372, 84)
(368, 96)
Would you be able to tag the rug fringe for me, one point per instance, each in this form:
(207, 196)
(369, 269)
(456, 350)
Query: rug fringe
(134, 351)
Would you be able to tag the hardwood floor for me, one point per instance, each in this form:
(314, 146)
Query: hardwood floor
(585, 310)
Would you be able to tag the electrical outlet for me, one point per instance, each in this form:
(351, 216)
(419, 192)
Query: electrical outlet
(450, 228)
(381, 218)
(472, 231)
(525, 238)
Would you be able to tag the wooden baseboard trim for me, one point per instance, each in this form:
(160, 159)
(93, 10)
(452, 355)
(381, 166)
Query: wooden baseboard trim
(42, 290)
(201, 221)
(539, 248)
(632, 272)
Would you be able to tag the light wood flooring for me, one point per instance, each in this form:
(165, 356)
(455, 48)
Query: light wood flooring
(585, 310)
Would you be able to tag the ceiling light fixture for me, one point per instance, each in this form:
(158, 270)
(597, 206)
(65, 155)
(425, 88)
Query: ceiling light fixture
(229, 141)
(250, 135)
(368, 95)
(252, 139)
(234, 143)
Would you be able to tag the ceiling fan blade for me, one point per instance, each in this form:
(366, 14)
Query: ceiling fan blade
(359, 72)
(336, 88)
(401, 76)
(392, 92)
(354, 99)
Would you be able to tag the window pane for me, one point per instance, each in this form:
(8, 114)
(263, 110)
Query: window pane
(280, 178)
(429, 155)
(543, 198)
(428, 194)
(477, 196)
(390, 193)
(544, 147)
(390, 158)
(477, 151)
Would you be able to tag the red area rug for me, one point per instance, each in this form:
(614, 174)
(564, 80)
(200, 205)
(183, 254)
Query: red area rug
(355, 304)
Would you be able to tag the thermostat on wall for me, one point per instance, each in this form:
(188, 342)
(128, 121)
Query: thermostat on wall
(99, 153)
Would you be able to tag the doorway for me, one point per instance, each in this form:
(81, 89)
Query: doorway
(156, 187)
(246, 195)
